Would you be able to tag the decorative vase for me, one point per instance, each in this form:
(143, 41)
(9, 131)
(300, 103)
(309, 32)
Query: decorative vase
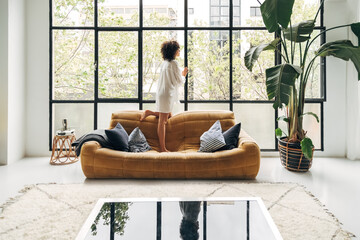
(292, 158)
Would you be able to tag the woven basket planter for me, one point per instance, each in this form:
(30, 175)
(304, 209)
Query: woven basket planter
(292, 158)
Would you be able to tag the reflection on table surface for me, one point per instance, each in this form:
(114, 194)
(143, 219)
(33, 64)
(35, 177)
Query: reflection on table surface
(187, 220)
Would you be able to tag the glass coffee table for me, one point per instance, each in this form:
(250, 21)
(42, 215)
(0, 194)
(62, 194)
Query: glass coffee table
(175, 218)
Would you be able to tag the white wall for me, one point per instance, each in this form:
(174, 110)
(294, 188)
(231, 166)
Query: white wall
(16, 83)
(335, 108)
(37, 91)
(12, 77)
(3, 80)
(353, 92)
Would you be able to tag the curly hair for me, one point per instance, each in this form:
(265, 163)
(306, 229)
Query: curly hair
(168, 49)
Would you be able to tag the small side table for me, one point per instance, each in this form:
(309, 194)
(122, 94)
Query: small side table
(62, 151)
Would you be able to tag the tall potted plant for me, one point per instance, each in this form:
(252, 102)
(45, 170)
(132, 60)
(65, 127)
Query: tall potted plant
(286, 82)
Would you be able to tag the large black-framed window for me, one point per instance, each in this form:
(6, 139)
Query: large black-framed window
(104, 57)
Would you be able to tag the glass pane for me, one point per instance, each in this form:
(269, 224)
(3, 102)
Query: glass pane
(73, 13)
(305, 10)
(164, 13)
(314, 84)
(106, 109)
(231, 215)
(250, 85)
(310, 125)
(178, 108)
(118, 64)
(204, 10)
(128, 216)
(208, 106)
(249, 16)
(118, 13)
(73, 67)
(208, 58)
(80, 116)
(152, 59)
(225, 11)
(215, 11)
(258, 120)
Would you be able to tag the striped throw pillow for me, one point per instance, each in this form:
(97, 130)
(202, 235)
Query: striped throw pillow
(212, 139)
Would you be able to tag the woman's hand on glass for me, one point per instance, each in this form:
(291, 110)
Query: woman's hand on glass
(184, 72)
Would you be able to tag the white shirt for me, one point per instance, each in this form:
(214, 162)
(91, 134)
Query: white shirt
(167, 88)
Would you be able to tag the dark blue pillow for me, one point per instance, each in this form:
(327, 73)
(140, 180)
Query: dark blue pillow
(118, 138)
(231, 137)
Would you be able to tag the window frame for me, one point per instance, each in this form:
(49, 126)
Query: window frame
(139, 29)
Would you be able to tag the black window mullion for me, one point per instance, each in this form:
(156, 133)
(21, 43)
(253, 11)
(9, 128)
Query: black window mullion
(140, 56)
(185, 53)
(322, 126)
(277, 61)
(231, 54)
(50, 74)
(96, 63)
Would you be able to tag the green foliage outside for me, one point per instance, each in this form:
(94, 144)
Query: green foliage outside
(208, 59)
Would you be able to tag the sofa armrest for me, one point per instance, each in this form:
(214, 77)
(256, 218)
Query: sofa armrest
(248, 147)
(87, 154)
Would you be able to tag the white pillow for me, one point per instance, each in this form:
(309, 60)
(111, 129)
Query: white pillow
(212, 139)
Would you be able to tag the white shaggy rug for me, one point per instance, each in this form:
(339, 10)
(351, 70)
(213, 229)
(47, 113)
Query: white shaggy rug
(57, 211)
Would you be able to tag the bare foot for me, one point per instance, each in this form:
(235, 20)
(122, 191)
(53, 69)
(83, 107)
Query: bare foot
(164, 150)
(170, 115)
(144, 115)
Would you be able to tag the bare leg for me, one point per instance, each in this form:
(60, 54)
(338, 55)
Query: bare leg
(148, 113)
(163, 117)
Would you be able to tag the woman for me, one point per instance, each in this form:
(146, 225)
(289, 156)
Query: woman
(171, 77)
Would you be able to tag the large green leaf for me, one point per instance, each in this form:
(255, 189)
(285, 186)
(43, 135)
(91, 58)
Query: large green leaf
(355, 27)
(280, 81)
(342, 49)
(300, 32)
(307, 147)
(252, 55)
(275, 12)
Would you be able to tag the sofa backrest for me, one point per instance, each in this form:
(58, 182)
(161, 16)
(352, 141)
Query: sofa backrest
(183, 130)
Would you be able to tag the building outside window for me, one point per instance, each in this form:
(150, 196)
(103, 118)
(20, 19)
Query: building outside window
(255, 12)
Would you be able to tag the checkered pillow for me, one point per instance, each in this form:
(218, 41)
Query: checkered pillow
(212, 139)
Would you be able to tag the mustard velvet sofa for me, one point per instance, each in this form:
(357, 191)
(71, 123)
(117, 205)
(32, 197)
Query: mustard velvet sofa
(183, 133)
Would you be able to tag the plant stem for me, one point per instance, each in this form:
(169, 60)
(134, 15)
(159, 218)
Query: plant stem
(300, 54)
(308, 69)
(285, 47)
(317, 13)
(282, 55)
(291, 44)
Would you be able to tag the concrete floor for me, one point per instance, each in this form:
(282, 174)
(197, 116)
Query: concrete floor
(334, 181)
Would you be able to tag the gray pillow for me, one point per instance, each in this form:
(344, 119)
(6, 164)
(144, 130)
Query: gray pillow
(118, 137)
(137, 141)
(212, 139)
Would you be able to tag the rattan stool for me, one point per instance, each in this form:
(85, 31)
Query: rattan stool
(62, 151)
